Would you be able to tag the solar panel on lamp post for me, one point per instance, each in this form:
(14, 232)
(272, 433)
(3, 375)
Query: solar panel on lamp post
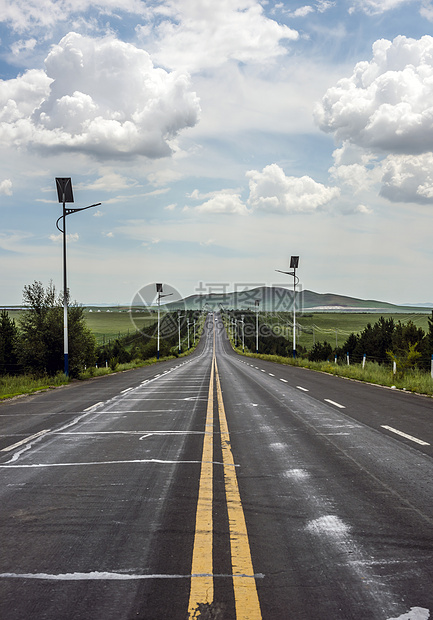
(65, 195)
(160, 296)
(294, 263)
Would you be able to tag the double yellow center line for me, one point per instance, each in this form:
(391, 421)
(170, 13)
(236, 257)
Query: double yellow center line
(244, 584)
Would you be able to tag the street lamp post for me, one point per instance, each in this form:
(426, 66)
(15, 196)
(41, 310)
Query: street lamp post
(294, 263)
(257, 324)
(65, 194)
(160, 296)
(178, 324)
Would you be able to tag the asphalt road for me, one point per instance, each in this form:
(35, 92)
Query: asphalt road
(217, 486)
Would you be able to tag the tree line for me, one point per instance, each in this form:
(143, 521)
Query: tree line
(385, 341)
(35, 344)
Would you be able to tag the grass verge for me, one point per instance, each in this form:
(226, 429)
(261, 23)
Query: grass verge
(412, 381)
(11, 386)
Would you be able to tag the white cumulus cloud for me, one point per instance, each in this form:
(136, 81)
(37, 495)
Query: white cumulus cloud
(383, 117)
(387, 103)
(223, 202)
(102, 97)
(6, 187)
(408, 178)
(197, 34)
(271, 190)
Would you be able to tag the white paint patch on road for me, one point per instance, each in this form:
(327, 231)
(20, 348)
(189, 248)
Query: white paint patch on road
(296, 474)
(278, 446)
(415, 613)
(271, 375)
(397, 432)
(329, 525)
(127, 390)
(302, 388)
(284, 380)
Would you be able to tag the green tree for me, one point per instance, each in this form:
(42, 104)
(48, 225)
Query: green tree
(320, 352)
(406, 359)
(430, 334)
(41, 334)
(8, 345)
(376, 340)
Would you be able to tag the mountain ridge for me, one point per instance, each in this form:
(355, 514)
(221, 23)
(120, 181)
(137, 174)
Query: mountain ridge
(280, 299)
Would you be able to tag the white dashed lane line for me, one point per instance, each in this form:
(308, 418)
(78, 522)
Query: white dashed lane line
(332, 402)
(421, 442)
(397, 432)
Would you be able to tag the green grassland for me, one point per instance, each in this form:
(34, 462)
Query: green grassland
(334, 327)
(108, 325)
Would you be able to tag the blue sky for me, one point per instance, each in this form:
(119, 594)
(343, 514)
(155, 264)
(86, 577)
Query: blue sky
(220, 138)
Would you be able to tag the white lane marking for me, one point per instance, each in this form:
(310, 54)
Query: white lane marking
(124, 412)
(271, 375)
(127, 390)
(151, 399)
(101, 402)
(262, 370)
(26, 440)
(284, 381)
(132, 461)
(397, 432)
(133, 433)
(302, 388)
(332, 402)
(96, 575)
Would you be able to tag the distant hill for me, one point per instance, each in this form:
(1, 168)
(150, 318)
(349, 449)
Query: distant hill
(279, 299)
